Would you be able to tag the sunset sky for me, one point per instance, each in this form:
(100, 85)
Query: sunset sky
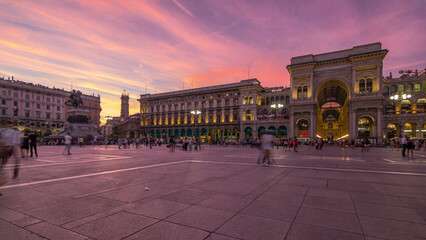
(104, 47)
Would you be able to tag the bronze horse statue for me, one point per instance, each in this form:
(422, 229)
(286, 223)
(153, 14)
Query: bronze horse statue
(75, 99)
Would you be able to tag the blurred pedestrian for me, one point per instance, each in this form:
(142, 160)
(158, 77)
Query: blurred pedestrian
(33, 143)
(25, 146)
(267, 144)
(68, 140)
(10, 142)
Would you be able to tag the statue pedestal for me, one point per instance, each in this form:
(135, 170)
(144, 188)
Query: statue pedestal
(77, 125)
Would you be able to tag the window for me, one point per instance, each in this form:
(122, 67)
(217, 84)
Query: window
(15, 103)
(227, 103)
(3, 92)
(15, 94)
(417, 87)
(393, 89)
(48, 99)
(37, 114)
(3, 112)
(299, 93)
(182, 106)
(305, 91)
(15, 112)
(48, 115)
(369, 85)
(38, 98)
(27, 105)
(27, 113)
(386, 91)
(235, 101)
(287, 99)
(58, 116)
(203, 105)
(401, 88)
(48, 107)
(267, 101)
(58, 108)
(219, 103)
(210, 103)
(361, 86)
(27, 96)
(409, 88)
(58, 100)
(3, 102)
(38, 105)
(176, 107)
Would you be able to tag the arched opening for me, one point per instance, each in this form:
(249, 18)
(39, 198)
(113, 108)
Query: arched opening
(235, 133)
(282, 100)
(132, 134)
(164, 134)
(152, 133)
(411, 129)
(248, 115)
(287, 99)
(405, 106)
(176, 133)
(417, 88)
(424, 130)
(421, 105)
(158, 134)
(248, 132)
(302, 128)
(332, 110)
(189, 133)
(282, 132)
(365, 127)
(182, 133)
(272, 130)
(219, 134)
(261, 131)
(170, 133)
(391, 131)
(409, 89)
(390, 108)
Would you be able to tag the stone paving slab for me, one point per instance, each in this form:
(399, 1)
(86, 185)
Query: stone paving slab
(218, 193)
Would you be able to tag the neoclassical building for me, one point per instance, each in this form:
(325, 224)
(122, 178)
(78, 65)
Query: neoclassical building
(336, 95)
(40, 108)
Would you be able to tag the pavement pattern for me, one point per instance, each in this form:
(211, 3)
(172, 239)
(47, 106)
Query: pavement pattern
(217, 193)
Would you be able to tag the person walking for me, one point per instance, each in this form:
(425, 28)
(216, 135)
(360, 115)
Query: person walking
(267, 145)
(33, 143)
(295, 142)
(10, 141)
(404, 145)
(410, 147)
(25, 146)
(68, 140)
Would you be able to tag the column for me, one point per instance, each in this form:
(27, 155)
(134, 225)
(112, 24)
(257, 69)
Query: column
(379, 125)
(291, 133)
(353, 125)
(312, 133)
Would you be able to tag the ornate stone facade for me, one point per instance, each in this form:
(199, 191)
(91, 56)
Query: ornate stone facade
(336, 95)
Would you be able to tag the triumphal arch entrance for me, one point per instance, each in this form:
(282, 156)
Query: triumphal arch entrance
(337, 95)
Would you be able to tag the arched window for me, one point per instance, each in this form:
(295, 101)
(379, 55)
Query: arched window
(250, 100)
(245, 101)
(392, 89)
(386, 91)
(287, 99)
(299, 92)
(409, 88)
(226, 118)
(305, 91)
(267, 102)
(272, 100)
(417, 87)
(361, 86)
(369, 85)
(401, 88)
(282, 100)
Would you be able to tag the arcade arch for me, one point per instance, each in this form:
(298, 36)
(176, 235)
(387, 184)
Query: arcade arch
(332, 109)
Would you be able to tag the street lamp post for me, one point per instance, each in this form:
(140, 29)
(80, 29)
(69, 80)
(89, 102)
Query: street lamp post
(195, 113)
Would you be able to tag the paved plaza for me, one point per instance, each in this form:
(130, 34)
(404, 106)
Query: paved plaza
(217, 193)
